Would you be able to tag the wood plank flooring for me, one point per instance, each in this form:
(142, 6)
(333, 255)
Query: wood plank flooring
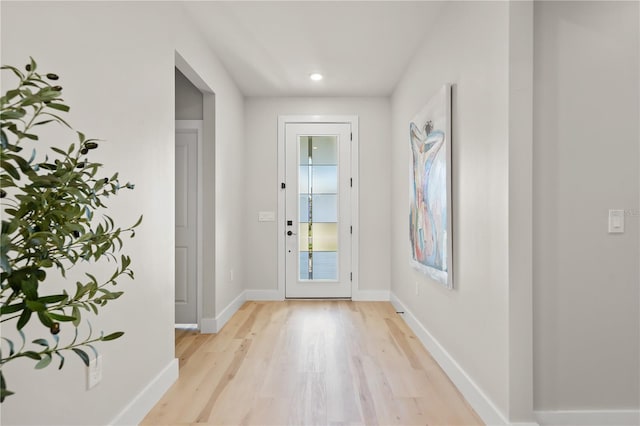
(310, 363)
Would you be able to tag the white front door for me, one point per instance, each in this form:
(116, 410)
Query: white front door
(186, 225)
(318, 210)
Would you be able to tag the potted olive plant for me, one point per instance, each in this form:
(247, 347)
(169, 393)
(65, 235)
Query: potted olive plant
(52, 206)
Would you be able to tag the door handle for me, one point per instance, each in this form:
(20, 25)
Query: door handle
(290, 233)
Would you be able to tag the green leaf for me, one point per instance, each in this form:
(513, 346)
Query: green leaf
(13, 114)
(8, 167)
(32, 355)
(15, 70)
(41, 342)
(59, 317)
(36, 306)
(83, 355)
(59, 107)
(40, 123)
(6, 310)
(29, 286)
(58, 151)
(4, 392)
(61, 360)
(30, 136)
(57, 118)
(52, 299)
(11, 347)
(76, 315)
(44, 318)
(24, 319)
(112, 336)
(45, 361)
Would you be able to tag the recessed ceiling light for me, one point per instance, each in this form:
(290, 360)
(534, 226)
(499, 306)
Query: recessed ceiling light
(316, 76)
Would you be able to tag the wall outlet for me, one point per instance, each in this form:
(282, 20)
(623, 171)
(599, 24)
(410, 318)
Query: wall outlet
(94, 372)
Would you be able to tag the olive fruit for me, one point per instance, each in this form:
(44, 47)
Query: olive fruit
(55, 328)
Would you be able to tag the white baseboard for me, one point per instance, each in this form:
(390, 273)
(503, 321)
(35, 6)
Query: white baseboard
(228, 311)
(371, 296)
(262, 295)
(485, 408)
(588, 418)
(208, 326)
(142, 403)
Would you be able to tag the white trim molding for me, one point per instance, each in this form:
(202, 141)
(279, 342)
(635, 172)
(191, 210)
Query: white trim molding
(208, 326)
(478, 400)
(371, 295)
(263, 295)
(588, 418)
(142, 403)
(229, 310)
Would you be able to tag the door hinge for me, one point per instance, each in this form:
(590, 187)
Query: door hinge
(350, 276)
(351, 229)
(351, 136)
(351, 182)
(283, 185)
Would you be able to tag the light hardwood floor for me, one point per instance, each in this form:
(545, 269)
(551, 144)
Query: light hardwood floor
(310, 363)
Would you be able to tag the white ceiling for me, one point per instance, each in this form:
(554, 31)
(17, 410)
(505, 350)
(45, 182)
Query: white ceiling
(270, 48)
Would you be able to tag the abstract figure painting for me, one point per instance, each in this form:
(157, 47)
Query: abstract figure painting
(430, 183)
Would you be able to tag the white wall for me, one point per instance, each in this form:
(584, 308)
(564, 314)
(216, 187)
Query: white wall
(586, 151)
(111, 69)
(467, 47)
(261, 128)
(189, 100)
(228, 173)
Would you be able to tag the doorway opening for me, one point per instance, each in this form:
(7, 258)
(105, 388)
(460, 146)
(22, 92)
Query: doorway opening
(194, 197)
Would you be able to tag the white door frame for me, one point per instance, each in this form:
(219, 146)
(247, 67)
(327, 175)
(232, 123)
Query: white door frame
(301, 119)
(197, 125)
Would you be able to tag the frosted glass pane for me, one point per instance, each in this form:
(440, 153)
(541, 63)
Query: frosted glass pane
(324, 208)
(318, 237)
(303, 180)
(325, 179)
(318, 266)
(324, 150)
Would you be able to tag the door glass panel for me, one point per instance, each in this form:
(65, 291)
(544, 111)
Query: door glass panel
(324, 179)
(325, 208)
(318, 207)
(324, 265)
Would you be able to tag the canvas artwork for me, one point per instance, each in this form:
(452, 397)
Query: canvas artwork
(430, 195)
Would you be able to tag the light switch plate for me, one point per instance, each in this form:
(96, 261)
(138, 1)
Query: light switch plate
(616, 221)
(266, 216)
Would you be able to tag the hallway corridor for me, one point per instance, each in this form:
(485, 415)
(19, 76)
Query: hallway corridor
(310, 363)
